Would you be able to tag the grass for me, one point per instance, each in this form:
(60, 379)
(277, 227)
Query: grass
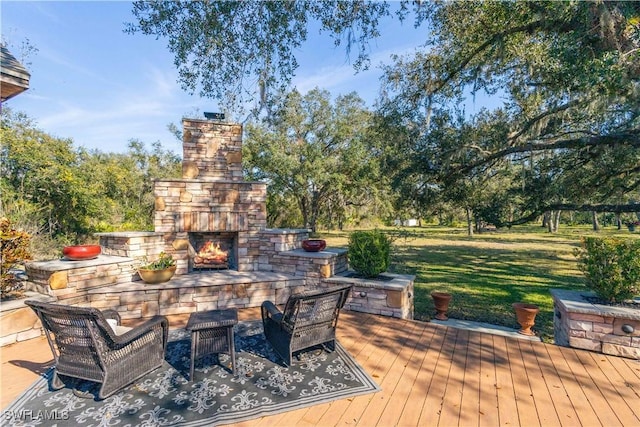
(488, 272)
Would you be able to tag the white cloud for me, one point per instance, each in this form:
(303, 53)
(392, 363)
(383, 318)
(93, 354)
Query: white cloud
(345, 78)
(164, 82)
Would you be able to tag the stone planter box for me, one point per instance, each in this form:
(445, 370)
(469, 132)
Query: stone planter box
(392, 296)
(602, 328)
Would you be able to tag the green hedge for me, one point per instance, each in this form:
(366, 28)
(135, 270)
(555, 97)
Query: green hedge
(611, 266)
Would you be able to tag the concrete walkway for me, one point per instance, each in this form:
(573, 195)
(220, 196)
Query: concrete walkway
(486, 328)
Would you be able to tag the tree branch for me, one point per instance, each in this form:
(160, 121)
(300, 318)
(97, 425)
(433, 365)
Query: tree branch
(529, 123)
(629, 138)
(455, 70)
(630, 207)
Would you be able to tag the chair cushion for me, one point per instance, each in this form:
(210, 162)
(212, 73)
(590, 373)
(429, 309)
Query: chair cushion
(118, 329)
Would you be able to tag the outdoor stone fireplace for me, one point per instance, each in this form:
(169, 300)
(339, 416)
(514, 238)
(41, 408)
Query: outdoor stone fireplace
(211, 198)
(214, 224)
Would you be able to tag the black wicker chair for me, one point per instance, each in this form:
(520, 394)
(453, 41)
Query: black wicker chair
(87, 347)
(309, 319)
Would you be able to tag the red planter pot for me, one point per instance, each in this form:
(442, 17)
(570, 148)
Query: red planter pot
(313, 245)
(526, 316)
(81, 252)
(441, 302)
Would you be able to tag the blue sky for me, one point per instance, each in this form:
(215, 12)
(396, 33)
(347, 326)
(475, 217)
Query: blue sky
(100, 87)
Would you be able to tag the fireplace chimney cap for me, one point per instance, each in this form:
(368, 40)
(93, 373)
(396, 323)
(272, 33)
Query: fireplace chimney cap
(214, 116)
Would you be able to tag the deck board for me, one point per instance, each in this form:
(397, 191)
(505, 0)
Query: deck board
(507, 406)
(434, 375)
(620, 371)
(521, 384)
(539, 389)
(412, 410)
(599, 404)
(386, 355)
(606, 379)
(488, 399)
(452, 394)
(397, 404)
(560, 402)
(400, 380)
(432, 406)
(584, 412)
(470, 404)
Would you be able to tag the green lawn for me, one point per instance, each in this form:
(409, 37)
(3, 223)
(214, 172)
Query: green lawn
(488, 272)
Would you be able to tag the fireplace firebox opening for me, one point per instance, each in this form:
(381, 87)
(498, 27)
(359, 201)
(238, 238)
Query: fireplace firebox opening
(213, 251)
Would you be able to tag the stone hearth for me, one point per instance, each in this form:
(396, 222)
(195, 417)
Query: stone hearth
(602, 328)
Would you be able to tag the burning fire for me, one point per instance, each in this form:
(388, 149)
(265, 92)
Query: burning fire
(210, 253)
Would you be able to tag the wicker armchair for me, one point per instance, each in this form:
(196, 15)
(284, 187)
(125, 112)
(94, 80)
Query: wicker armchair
(87, 347)
(309, 319)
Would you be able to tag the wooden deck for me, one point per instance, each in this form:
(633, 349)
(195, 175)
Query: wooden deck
(433, 375)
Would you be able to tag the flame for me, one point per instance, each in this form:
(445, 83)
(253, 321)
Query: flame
(210, 252)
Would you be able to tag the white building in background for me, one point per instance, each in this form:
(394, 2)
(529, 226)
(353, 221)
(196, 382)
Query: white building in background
(406, 223)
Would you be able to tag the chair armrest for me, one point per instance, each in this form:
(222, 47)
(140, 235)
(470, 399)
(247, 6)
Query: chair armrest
(142, 329)
(269, 310)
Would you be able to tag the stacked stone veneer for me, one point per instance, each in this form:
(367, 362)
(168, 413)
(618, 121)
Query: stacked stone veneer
(70, 281)
(211, 150)
(19, 322)
(195, 292)
(132, 244)
(605, 329)
(391, 296)
(211, 196)
(280, 252)
(184, 206)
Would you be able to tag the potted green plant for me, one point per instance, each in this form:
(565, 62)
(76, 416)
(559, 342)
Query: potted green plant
(159, 271)
(611, 267)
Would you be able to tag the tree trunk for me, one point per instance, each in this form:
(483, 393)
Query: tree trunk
(469, 222)
(618, 221)
(302, 202)
(545, 220)
(594, 221)
(553, 220)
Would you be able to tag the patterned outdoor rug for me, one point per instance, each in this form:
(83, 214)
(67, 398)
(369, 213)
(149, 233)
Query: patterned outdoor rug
(165, 397)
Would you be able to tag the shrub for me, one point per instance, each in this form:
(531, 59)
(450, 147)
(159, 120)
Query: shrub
(611, 266)
(15, 250)
(369, 252)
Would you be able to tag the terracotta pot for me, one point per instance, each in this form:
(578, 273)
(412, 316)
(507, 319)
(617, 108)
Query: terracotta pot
(314, 245)
(526, 316)
(157, 276)
(441, 301)
(81, 252)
